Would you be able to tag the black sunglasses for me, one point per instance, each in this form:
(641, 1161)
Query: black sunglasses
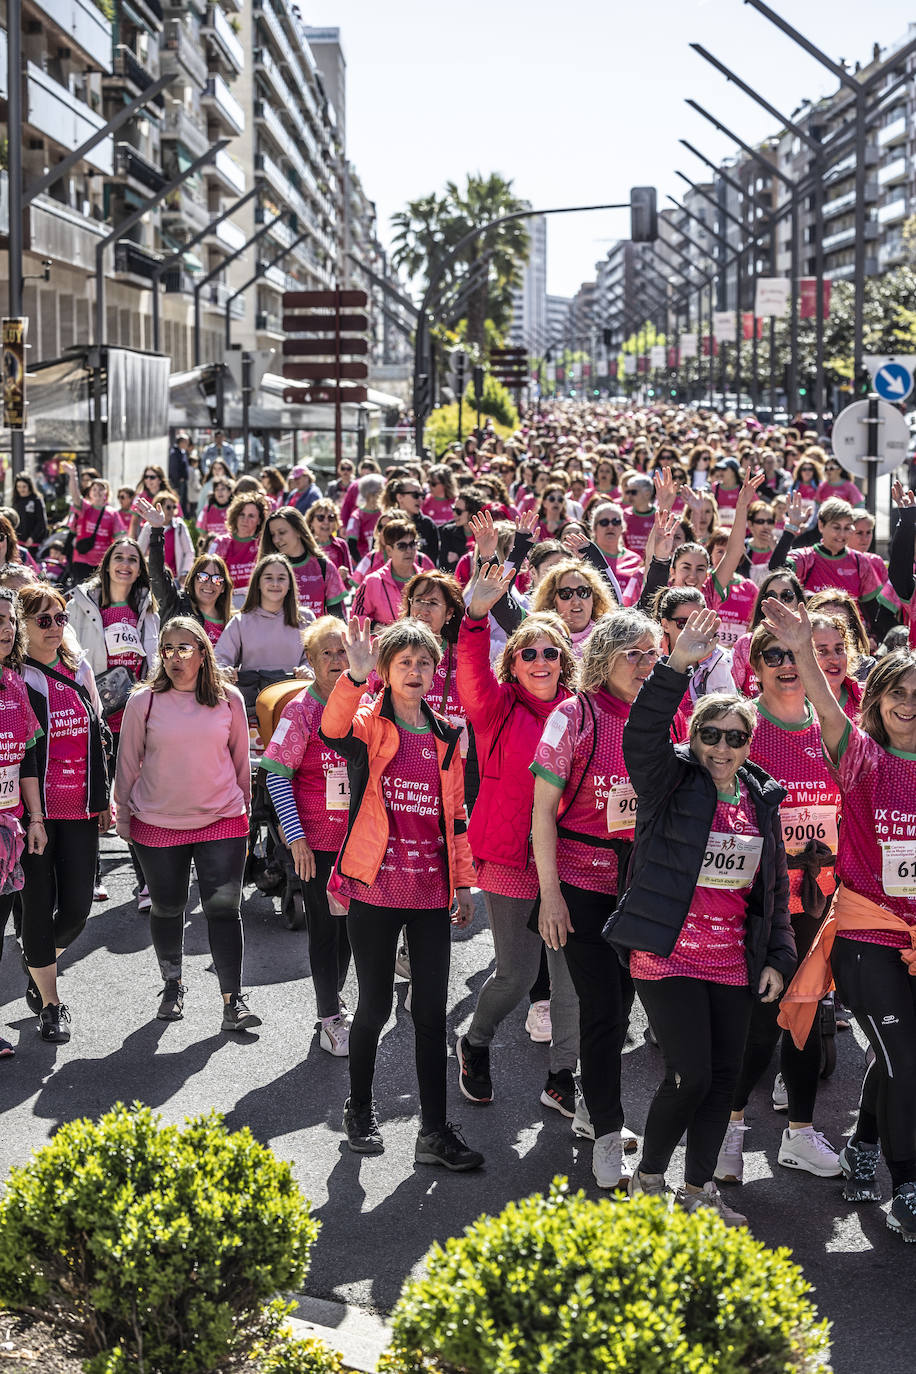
(775, 658)
(550, 654)
(567, 593)
(755, 521)
(711, 734)
(788, 597)
(608, 520)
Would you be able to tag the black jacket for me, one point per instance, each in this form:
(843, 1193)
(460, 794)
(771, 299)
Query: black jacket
(677, 803)
(33, 522)
(453, 545)
(171, 596)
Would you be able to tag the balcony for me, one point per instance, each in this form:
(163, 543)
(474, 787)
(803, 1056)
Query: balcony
(266, 322)
(892, 173)
(128, 73)
(56, 112)
(214, 297)
(842, 204)
(222, 38)
(133, 167)
(134, 261)
(222, 104)
(229, 236)
(891, 253)
(84, 26)
(848, 270)
(185, 211)
(893, 133)
(894, 212)
(845, 238)
(227, 172)
(187, 128)
(54, 231)
(181, 51)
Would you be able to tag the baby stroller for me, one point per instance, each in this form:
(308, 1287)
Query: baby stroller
(270, 863)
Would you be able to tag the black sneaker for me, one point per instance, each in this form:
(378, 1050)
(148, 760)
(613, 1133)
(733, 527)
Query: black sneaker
(860, 1165)
(171, 1004)
(237, 1015)
(33, 997)
(447, 1147)
(560, 1092)
(53, 1021)
(474, 1071)
(902, 1215)
(361, 1126)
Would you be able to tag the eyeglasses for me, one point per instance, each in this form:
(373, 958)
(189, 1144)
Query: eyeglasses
(405, 545)
(755, 521)
(182, 651)
(323, 518)
(735, 739)
(608, 520)
(216, 578)
(636, 656)
(554, 500)
(788, 597)
(417, 494)
(46, 620)
(775, 658)
(427, 602)
(679, 620)
(567, 593)
(550, 654)
(630, 492)
(151, 477)
(460, 510)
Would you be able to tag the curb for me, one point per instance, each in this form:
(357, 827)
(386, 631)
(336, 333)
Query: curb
(358, 1335)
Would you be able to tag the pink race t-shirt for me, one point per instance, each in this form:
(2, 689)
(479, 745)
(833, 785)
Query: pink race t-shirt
(319, 774)
(711, 943)
(123, 648)
(726, 498)
(213, 629)
(439, 509)
(412, 875)
(843, 491)
(817, 571)
(638, 527)
(66, 779)
(240, 557)
(213, 519)
(19, 729)
(582, 753)
(104, 525)
(360, 527)
(317, 592)
(877, 850)
(734, 606)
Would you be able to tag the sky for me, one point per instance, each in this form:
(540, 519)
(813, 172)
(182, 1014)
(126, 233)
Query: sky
(575, 103)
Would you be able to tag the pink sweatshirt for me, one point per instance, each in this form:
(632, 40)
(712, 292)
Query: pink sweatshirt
(182, 765)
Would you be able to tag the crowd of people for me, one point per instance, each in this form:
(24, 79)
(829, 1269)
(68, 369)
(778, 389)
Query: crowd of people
(638, 677)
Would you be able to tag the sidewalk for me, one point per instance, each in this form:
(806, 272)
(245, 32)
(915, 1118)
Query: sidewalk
(360, 1336)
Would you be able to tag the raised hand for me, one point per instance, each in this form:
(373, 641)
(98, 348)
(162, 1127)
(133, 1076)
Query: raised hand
(361, 647)
(488, 587)
(666, 489)
(664, 530)
(791, 628)
(903, 498)
(696, 641)
(796, 511)
(574, 541)
(528, 521)
(753, 480)
(485, 534)
(148, 512)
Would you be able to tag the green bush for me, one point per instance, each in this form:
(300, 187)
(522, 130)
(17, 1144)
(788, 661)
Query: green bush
(563, 1285)
(442, 427)
(159, 1245)
(497, 402)
(305, 1356)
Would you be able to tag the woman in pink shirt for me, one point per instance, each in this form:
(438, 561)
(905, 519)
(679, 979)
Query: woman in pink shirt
(95, 525)
(323, 519)
(837, 482)
(212, 519)
(238, 547)
(183, 790)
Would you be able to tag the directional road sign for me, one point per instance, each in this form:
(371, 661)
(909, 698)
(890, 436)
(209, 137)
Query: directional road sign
(850, 439)
(892, 376)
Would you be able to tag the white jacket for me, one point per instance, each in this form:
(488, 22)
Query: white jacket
(86, 624)
(184, 549)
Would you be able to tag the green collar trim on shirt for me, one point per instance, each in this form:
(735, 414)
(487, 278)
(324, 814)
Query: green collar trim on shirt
(784, 724)
(899, 754)
(310, 689)
(825, 553)
(212, 620)
(733, 798)
(117, 605)
(423, 729)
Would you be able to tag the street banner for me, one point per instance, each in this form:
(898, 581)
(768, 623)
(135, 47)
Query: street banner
(807, 295)
(772, 296)
(723, 326)
(586, 371)
(747, 325)
(612, 368)
(688, 345)
(673, 359)
(710, 346)
(657, 355)
(15, 329)
(629, 364)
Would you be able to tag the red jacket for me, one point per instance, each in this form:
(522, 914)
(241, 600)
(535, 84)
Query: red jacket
(508, 722)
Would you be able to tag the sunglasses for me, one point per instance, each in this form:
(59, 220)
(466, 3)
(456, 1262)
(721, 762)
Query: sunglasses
(788, 597)
(550, 654)
(46, 620)
(216, 578)
(679, 620)
(636, 656)
(168, 505)
(151, 477)
(405, 545)
(755, 521)
(775, 658)
(735, 739)
(608, 520)
(460, 510)
(417, 494)
(567, 593)
(182, 651)
(323, 518)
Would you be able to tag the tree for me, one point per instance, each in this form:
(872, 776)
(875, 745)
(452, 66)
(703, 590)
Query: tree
(428, 228)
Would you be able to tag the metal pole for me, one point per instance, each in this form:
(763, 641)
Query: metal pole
(246, 405)
(792, 398)
(338, 409)
(204, 281)
(820, 399)
(278, 257)
(14, 129)
(871, 453)
(859, 268)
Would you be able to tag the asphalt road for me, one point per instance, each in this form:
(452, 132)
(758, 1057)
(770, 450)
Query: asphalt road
(380, 1215)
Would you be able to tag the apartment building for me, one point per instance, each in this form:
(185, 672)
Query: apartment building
(529, 301)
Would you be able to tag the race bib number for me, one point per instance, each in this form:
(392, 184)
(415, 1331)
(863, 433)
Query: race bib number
(729, 632)
(730, 860)
(337, 789)
(122, 638)
(621, 807)
(9, 786)
(898, 867)
(801, 824)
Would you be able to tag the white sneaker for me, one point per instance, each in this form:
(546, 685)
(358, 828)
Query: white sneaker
(709, 1197)
(345, 1012)
(581, 1125)
(730, 1164)
(652, 1185)
(610, 1167)
(100, 893)
(402, 963)
(335, 1037)
(811, 1151)
(144, 901)
(537, 1023)
(780, 1094)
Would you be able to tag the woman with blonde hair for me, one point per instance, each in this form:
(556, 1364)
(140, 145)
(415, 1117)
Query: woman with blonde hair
(578, 595)
(239, 546)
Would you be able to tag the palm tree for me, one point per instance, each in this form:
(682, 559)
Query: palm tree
(432, 225)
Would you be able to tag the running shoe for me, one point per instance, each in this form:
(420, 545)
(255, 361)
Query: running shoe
(171, 1001)
(474, 1071)
(33, 998)
(609, 1164)
(843, 1016)
(6, 1049)
(583, 1126)
(860, 1165)
(345, 1012)
(537, 1023)
(335, 1037)
(402, 963)
(559, 1092)
(712, 1198)
(780, 1094)
(902, 1215)
(144, 901)
(53, 1021)
(447, 1147)
(651, 1185)
(361, 1125)
(730, 1164)
(237, 1015)
(100, 892)
(810, 1151)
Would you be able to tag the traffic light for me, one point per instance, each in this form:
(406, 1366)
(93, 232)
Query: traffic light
(643, 214)
(863, 382)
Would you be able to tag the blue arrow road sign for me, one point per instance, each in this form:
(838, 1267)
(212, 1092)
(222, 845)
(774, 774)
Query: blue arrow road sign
(893, 382)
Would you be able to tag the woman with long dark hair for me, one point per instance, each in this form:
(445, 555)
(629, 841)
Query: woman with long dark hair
(263, 643)
(317, 580)
(30, 507)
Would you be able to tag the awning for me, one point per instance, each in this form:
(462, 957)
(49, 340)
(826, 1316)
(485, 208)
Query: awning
(192, 262)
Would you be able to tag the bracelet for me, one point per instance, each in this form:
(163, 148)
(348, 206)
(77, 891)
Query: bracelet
(37, 820)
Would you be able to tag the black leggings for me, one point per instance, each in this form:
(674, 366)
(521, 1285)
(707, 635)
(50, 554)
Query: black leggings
(374, 934)
(57, 893)
(540, 988)
(874, 984)
(220, 865)
(701, 1029)
(6, 906)
(605, 991)
(801, 1069)
(329, 948)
